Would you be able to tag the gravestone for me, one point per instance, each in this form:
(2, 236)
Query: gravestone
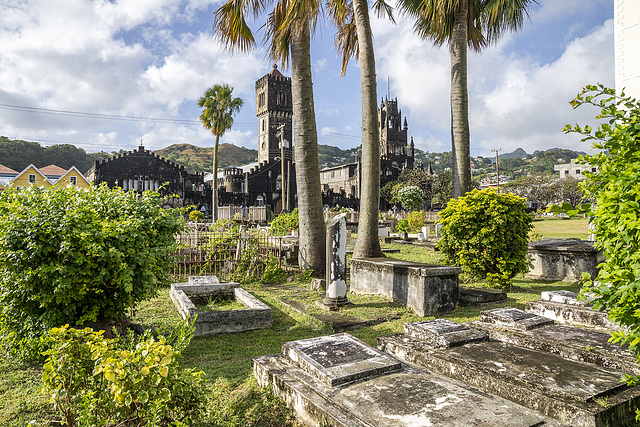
(564, 307)
(563, 259)
(336, 274)
(339, 380)
(428, 289)
(572, 391)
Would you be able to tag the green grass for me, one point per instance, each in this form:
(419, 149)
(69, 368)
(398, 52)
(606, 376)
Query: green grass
(234, 397)
(575, 228)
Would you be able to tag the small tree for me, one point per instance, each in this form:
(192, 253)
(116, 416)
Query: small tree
(72, 255)
(615, 215)
(219, 106)
(411, 197)
(486, 234)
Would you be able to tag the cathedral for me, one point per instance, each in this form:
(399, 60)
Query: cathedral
(271, 181)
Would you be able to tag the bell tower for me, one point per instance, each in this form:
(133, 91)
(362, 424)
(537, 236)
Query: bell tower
(274, 108)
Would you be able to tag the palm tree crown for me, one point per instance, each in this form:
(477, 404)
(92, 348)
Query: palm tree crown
(219, 107)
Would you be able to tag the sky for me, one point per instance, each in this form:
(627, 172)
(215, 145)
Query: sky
(109, 75)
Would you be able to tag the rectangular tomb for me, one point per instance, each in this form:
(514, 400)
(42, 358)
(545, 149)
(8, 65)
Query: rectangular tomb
(338, 380)
(565, 307)
(257, 315)
(571, 391)
(563, 259)
(428, 289)
(580, 344)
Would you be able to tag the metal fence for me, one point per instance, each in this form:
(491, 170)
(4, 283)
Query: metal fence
(244, 213)
(230, 254)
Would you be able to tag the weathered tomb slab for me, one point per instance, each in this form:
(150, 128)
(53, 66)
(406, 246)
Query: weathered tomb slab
(338, 359)
(426, 288)
(571, 391)
(563, 259)
(257, 315)
(481, 295)
(514, 318)
(403, 396)
(443, 333)
(580, 344)
(565, 307)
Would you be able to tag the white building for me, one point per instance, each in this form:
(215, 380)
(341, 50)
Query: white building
(626, 36)
(574, 170)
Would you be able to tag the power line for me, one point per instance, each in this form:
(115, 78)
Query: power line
(99, 115)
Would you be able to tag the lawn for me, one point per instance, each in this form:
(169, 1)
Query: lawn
(234, 398)
(575, 228)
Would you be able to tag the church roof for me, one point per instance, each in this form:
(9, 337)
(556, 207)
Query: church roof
(275, 71)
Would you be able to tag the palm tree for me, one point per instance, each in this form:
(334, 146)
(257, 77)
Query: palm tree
(217, 116)
(462, 23)
(355, 38)
(289, 29)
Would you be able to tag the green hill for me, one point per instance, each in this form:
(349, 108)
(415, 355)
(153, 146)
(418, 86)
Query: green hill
(199, 159)
(18, 154)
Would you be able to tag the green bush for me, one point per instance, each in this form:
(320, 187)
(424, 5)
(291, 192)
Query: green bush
(403, 225)
(196, 215)
(486, 233)
(73, 255)
(615, 216)
(101, 382)
(284, 223)
(416, 220)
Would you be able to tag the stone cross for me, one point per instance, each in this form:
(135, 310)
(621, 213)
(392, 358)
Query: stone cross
(336, 273)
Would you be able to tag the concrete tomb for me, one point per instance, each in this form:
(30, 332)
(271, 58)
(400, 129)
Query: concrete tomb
(564, 307)
(257, 315)
(338, 380)
(428, 289)
(481, 295)
(563, 259)
(571, 391)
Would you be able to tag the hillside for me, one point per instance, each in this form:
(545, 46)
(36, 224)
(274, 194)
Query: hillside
(199, 159)
(18, 154)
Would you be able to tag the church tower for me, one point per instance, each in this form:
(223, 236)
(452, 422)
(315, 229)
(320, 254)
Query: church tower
(393, 135)
(274, 108)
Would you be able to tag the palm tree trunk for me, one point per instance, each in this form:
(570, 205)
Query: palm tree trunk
(312, 231)
(368, 243)
(214, 201)
(460, 141)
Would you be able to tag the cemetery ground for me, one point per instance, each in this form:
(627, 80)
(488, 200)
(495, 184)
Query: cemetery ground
(234, 397)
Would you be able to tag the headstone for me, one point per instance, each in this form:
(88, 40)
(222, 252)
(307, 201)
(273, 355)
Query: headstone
(438, 228)
(336, 274)
(383, 232)
(421, 237)
(318, 284)
(203, 280)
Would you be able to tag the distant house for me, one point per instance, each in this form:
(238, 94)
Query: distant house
(42, 177)
(31, 175)
(574, 170)
(6, 175)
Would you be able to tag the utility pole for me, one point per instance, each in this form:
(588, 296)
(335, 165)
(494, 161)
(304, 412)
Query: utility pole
(282, 185)
(497, 168)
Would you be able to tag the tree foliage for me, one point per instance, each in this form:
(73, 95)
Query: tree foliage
(616, 218)
(72, 255)
(411, 197)
(486, 234)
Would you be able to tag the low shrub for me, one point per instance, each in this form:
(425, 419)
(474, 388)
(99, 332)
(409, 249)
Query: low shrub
(486, 233)
(103, 382)
(284, 223)
(416, 220)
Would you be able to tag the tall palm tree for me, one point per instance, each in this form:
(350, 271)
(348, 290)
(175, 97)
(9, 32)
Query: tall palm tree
(217, 116)
(355, 38)
(462, 23)
(289, 29)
